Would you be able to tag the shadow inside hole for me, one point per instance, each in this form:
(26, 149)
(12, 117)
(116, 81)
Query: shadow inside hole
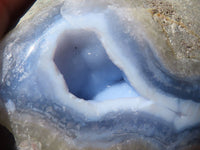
(7, 140)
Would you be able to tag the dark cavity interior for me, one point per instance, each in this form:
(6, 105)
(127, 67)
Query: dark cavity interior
(84, 64)
(7, 140)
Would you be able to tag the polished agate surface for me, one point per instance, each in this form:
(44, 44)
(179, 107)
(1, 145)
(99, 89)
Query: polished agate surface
(88, 74)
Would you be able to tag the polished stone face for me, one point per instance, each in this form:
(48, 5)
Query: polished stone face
(103, 75)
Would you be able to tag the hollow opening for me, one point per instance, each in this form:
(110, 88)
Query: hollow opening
(88, 72)
(7, 140)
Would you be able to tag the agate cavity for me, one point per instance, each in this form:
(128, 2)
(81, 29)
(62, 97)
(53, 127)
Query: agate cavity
(87, 69)
(52, 68)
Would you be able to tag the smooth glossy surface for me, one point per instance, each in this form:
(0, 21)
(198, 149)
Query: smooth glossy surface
(100, 52)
